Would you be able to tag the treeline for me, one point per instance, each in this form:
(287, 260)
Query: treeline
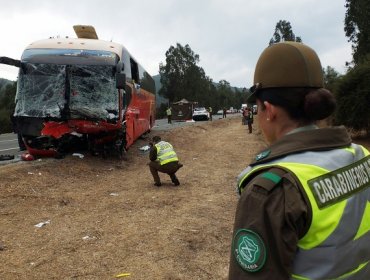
(7, 96)
(181, 77)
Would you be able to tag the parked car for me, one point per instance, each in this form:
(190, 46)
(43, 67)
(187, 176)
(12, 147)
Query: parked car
(200, 114)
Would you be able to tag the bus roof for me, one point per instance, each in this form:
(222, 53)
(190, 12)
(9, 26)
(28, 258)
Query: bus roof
(79, 44)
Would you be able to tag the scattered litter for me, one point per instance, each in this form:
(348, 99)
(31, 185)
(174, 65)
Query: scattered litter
(31, 173)
(78, 155)
(42, 224)
(87, 237)
(194, 158)
(113, 194)
(144, 149)
(6, 157)
(122, 275)
(183, 229)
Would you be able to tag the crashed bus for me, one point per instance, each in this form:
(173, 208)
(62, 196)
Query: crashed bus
(81, 93)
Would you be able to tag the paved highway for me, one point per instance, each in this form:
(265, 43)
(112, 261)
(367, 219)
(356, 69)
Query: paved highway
(9, 141)
(9, 144)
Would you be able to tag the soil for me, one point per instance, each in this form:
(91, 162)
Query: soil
(103, 218)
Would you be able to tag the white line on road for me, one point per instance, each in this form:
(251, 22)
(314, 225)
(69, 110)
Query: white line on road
(12, 140)
(9, 149)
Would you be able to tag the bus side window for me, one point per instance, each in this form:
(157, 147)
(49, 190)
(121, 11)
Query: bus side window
(134, 71)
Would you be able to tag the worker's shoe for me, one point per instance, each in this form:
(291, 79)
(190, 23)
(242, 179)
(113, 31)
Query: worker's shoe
(157, 184)
(174, 180)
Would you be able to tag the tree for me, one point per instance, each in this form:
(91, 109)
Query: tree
(180, 76)
(284, 32)
(331, 76)
(357, 28)
(353, 98)
(7, 95)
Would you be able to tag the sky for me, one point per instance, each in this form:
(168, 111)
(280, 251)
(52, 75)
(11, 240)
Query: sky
(228, 35)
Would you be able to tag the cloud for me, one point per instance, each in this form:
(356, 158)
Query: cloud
(228, 35)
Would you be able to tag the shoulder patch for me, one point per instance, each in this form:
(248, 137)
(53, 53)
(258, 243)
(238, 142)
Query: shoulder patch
(262, 155)
(249, 250)
(266, 181)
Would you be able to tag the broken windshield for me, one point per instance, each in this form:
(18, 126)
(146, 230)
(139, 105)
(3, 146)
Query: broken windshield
(93, 92)
(46, 90)
(51, 89)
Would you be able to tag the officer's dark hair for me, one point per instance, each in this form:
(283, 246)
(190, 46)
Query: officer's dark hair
(302, 104)
(156, 138)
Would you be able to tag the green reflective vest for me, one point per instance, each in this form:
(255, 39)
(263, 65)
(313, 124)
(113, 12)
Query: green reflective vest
(165, 153)
(337, 184)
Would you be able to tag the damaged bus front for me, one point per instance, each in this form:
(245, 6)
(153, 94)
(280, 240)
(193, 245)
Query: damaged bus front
(71, 95)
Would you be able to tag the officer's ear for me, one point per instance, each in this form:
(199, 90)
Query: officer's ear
(270, 110)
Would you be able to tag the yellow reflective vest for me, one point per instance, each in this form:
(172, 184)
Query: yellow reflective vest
(337, 184)
(165, 153)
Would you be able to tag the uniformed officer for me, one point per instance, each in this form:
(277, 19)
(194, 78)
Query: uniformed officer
(169, 115)
(304, 206)
(210, 113)
(163, 158)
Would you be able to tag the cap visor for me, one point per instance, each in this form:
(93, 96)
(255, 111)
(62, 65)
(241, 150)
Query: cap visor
(252, 98)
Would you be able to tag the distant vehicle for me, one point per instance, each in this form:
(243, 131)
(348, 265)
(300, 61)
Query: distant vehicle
(83, 92)
(255, 109)
(200, 114)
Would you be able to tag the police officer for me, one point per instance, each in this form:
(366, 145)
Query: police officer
(210, 113)
(304, 206)
(169, 115)
(163, 159)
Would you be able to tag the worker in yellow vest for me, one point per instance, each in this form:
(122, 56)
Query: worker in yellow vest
(163, 158)
(304, 206)
(210, 113)
(169, 115)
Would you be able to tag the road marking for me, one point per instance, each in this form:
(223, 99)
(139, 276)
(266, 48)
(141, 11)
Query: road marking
(9, 149)
(8, 140)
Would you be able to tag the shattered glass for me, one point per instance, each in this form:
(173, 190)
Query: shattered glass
(88, 91)
(93, 92)
(59, 84)
(40, 91)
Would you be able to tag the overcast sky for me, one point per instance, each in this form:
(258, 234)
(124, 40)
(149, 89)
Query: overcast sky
(228, 35)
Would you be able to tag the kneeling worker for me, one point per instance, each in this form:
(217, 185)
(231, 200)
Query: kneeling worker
(163, 159)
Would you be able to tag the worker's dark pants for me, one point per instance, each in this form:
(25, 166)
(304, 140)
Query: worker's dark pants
(169, 119)
(249, 122)
(168, 168)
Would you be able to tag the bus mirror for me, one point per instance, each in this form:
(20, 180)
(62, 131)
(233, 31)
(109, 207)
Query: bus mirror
(119, 67)
(120, 80)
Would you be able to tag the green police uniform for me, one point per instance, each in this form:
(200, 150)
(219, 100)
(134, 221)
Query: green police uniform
(163, 158)
(304, 210)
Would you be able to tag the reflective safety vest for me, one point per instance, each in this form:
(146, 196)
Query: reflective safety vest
(337, 184)
(168, 111)
(165, 153)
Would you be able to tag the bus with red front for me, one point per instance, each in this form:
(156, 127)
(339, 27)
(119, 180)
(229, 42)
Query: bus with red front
(81, 93)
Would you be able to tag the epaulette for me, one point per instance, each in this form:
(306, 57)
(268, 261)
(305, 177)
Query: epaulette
(269, 178)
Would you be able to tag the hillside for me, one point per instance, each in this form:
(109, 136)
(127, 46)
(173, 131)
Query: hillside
(102, 218)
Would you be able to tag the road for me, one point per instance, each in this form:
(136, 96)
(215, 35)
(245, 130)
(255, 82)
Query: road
(9, 144)
(9, 141)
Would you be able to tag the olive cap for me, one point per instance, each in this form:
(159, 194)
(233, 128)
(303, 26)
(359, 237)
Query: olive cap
(287, 65)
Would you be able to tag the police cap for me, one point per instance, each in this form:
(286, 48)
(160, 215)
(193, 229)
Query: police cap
(287, 65)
